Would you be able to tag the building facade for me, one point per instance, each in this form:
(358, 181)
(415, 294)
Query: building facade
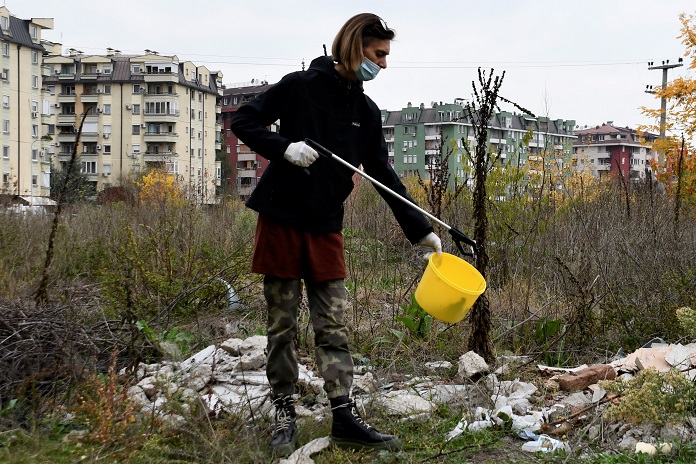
(246, 165)
(611, 150)
(142, 111)
(23, 172)
(416, 135)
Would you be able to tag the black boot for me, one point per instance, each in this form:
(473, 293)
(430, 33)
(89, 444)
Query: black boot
(349, 430)
(285, 433)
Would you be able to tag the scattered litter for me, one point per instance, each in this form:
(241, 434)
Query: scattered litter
(545, 444)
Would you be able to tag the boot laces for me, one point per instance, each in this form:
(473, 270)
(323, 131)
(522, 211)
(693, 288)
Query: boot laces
(355, 413)
(283, 420)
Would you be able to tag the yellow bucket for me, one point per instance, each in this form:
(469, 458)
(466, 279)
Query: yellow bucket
(449, 287)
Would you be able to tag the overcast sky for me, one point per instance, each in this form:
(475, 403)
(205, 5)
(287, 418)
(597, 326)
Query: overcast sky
(584, 60)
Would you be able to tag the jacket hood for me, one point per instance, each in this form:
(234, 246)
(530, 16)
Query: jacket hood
(325, 65)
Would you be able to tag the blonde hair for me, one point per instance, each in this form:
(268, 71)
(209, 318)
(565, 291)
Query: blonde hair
(357, 33)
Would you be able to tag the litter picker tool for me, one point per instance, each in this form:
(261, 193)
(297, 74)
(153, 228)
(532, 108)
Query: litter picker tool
(457, 236)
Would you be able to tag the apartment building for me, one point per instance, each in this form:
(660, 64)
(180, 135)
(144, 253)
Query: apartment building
(142, 111)
(417, 135)
(613, 150)
(24, 172)
(247, 166)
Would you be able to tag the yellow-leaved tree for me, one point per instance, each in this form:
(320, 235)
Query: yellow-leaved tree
(160, 187)
(676, 167)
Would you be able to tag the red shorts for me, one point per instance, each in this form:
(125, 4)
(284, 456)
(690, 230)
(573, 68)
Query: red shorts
(287, 253)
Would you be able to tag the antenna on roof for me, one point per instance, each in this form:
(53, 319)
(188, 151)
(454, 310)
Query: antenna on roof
(325, 54)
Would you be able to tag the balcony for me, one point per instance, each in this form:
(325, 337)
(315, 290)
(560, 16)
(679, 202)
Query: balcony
(89, 97)
(66, 137)
(161, 136)
(246, 173)
(89, 137)
(163, 116)
(162, 76)
(151, 156)
(246, 156)
(66, 75)
(66, 97)
(66, 119)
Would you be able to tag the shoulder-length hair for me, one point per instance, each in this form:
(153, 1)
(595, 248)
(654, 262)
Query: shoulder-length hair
(357, 33)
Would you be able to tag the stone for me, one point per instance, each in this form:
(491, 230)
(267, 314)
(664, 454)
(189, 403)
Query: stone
(303, 455)
(138, 395)
(444, 394)
(366, 384)
(471, 364)
(254, 344)
(149, 386)
(438, 365)
(647, 448)
(204, 356)
(232, 346)
(402, 403)
(251, 361)
(579, 380)
(577, 399)
(597, 392)
(627, 443)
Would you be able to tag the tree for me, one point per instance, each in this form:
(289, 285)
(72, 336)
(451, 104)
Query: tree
(77, 185)
(676, 168)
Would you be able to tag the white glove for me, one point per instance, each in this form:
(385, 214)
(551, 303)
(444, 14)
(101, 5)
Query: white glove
(300, 154)
(431, 241)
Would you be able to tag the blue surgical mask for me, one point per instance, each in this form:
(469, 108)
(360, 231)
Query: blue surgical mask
(367, 70)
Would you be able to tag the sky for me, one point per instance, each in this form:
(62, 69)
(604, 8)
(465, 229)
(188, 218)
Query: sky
(584, 60)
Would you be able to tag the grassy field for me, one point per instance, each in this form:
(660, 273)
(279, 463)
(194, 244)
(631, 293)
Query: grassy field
(572, 279)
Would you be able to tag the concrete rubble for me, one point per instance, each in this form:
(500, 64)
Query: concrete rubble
(230, 377)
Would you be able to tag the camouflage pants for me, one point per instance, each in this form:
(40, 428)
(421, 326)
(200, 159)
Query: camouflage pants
(327, 302)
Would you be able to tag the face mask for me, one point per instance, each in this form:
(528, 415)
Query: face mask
(367, 70)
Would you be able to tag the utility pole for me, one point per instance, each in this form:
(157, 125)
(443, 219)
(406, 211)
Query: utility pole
(663, 101)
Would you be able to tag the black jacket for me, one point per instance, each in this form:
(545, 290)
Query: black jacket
(321, 105)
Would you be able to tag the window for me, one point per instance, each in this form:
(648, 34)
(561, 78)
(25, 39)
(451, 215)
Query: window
(5, 151)
(106, 169)
(137, 88)
(34, 154)
(6, 101)
(136, 129)
(6, 126)
(136, 109)
(107, 108)
(34, 82)
(35, 130)
(51, 89)
(33, 31)
(5, 49)
(34, 57)
(5, 74)
(107, 89)
(200, 116)
(89, 167)
(34, 180)
(35, 106)
(136, 69)
(5, 23)
(106, 68)
(50, 129)
(136, 148)
(107, 149)
(5, 177)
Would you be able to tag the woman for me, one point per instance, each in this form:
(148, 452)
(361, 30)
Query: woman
(300, 204)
